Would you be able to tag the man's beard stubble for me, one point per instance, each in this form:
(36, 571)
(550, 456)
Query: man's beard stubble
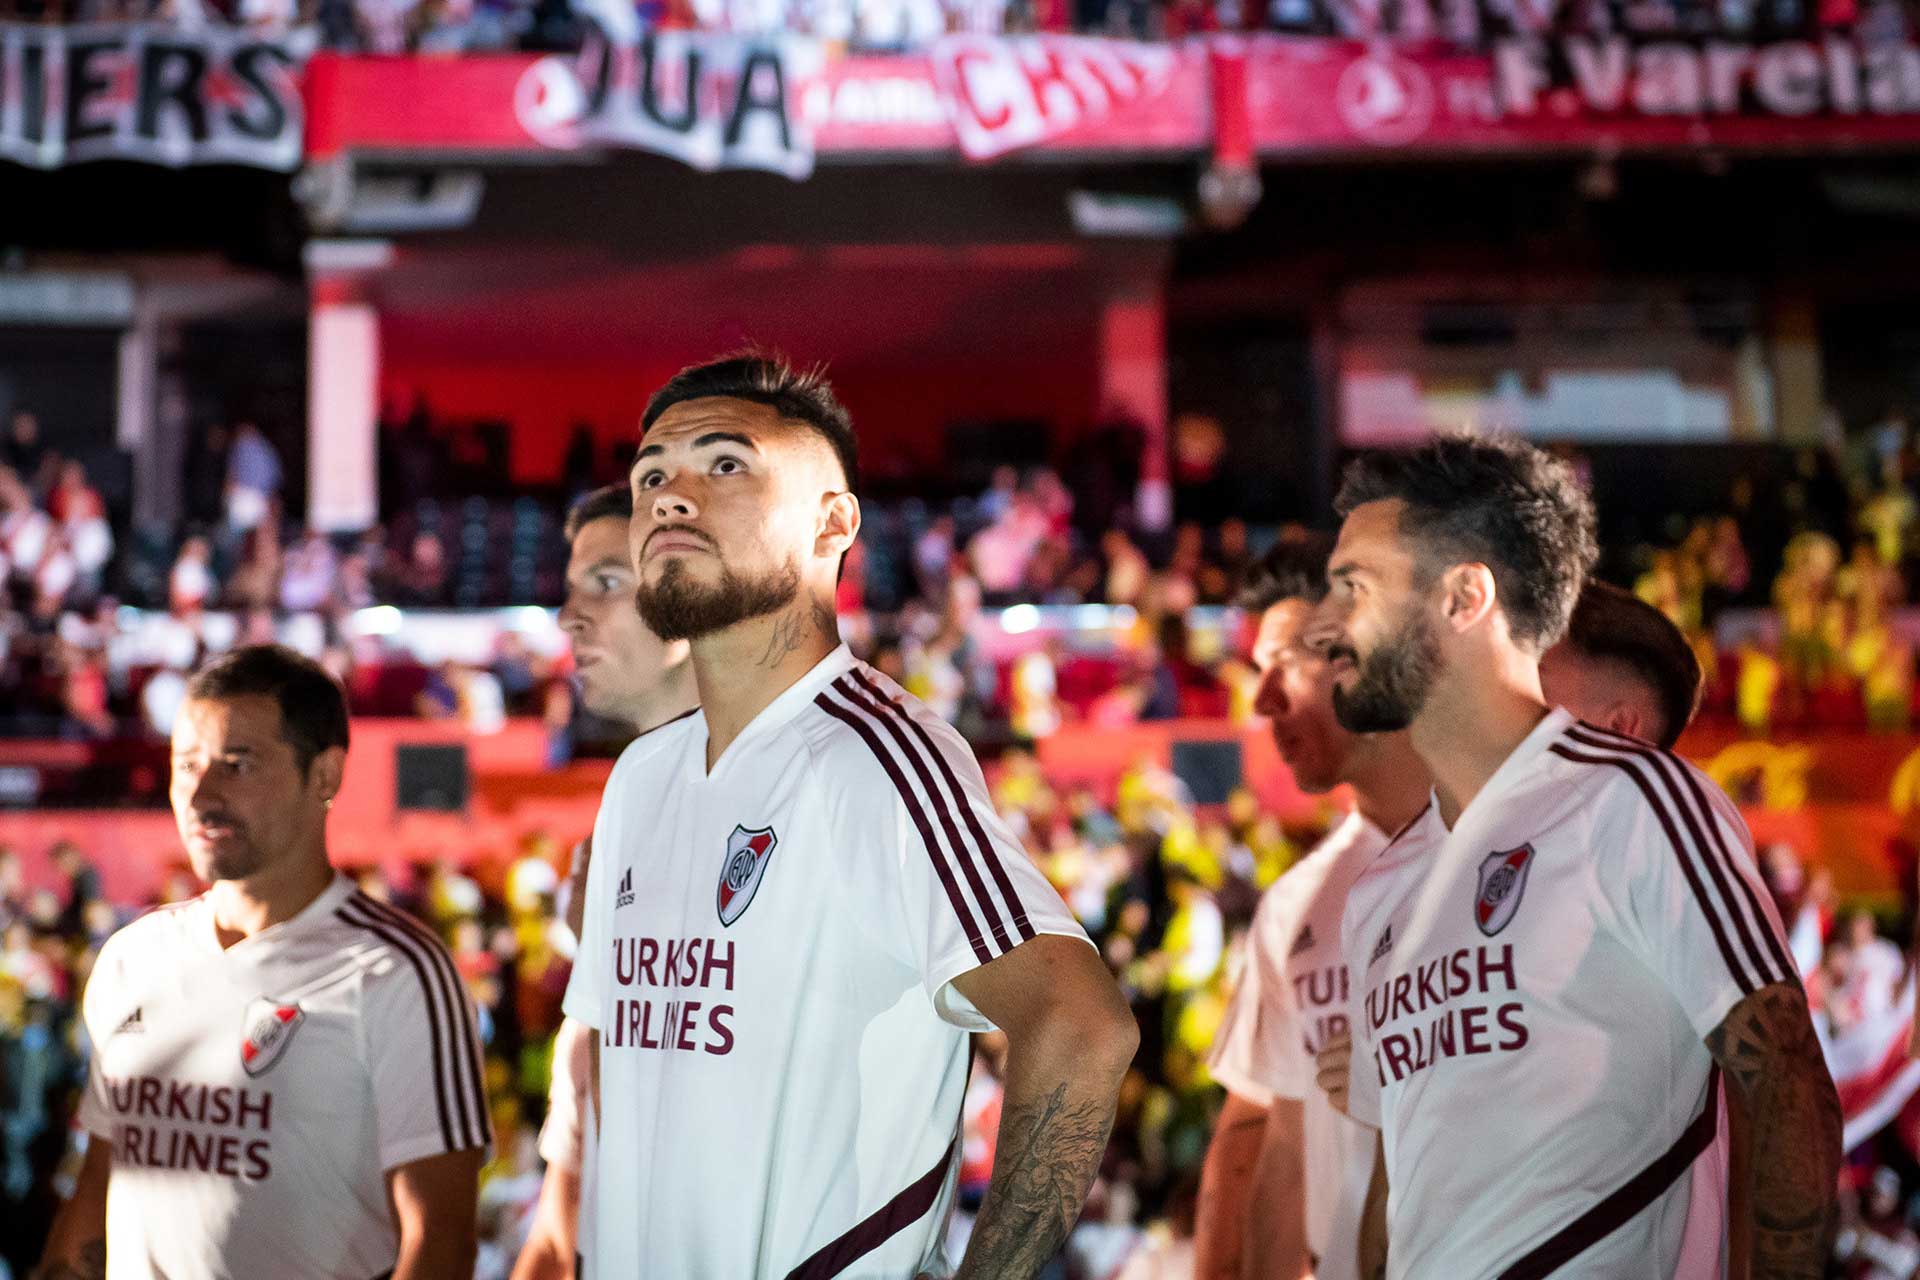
(679, 608)
(1392, 686)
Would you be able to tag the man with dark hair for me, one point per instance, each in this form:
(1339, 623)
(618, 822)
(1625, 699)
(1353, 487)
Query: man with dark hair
(1286, 1177)
(1287, 1173)
(802, 902)
(630, 675)
(1624, 666)
(286, 1079)
(1562, 955)
(799, 396)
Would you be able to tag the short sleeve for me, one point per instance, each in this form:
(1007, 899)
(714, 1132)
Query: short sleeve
(1258, 1051)
(432, 1102)
(966, 890)
(586, 997)
(563, 1136)
(97, 1003)
(1677, 862)
(1363, 1075)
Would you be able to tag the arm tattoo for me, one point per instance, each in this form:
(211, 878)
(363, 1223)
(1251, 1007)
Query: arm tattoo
(89, 1264)
(1767, 1048)
(1049, 1151)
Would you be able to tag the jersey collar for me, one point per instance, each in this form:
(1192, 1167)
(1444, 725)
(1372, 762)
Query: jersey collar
(1517, 765)
(320, 909)
(789, 704)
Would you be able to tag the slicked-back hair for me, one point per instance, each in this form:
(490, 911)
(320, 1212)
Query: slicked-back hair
(313, 710)
(615, 500)
(766, 377)
(1612, 625)
(1292, 569)
(1495, 501)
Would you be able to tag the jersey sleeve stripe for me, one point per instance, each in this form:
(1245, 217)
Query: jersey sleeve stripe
(1767, 956)
(466, 1054)
(853, 721)
(955, 846)
(1628, 1200)
(345, 912)
(895, 1216)
(988, 854)
(1784, 969)
(1681, 851)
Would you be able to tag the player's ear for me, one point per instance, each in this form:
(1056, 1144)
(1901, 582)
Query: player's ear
(839, 525)
(326, 772)
(1624, 717)
(1469, 595)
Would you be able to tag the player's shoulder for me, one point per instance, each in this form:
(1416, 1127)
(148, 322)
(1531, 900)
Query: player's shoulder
(1617, 778)
(388, 942)
(869, 738)
(154, 934)
(639, 765)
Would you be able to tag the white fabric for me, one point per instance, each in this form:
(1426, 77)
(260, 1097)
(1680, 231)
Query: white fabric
(769, 1084)
(1529, 1052)
(221, 1171)
(1294, 996)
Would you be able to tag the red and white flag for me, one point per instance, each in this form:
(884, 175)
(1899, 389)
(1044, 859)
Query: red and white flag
(1003, 94)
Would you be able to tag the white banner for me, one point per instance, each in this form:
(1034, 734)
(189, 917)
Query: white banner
(150, 92)
(709, 101)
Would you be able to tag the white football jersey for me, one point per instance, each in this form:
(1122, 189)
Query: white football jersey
(255, 1097)
(767, 956)
(1535, 986)
(1292, 997)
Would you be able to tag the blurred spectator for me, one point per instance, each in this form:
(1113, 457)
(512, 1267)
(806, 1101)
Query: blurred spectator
(307, 575)
(253, 478)
(23, 450)
(190, 583)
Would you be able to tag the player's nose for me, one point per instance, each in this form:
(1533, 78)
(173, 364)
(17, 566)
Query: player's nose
(1325, 629)
(670, 503)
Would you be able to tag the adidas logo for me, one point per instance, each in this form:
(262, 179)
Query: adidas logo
(133, 1023)
(625, 897)
(1304, 942)
(1383, 946)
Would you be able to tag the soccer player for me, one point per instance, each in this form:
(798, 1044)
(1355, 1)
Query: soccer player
(803, 900)
(1286, 1175)
(286, 1080)
(628, 675)
(1560, 960)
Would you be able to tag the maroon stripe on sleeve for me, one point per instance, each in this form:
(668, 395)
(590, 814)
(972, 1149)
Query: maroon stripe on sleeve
(345, 913)
(1653, 799)
(853, 720)
(988, 853)
(1721, 875)
(1782, 967)
(955, 844)
(895, 1216)
(1639, 1191)
(465, 1051)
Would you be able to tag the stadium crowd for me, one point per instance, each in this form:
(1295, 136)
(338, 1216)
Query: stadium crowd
(1831, 649)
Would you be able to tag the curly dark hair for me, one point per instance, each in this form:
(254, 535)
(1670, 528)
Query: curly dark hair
(766, 377)
(1495, 501)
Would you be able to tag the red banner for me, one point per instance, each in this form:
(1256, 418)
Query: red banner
(983, 96)
(1580, 92)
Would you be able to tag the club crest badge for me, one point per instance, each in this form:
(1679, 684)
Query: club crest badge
(269, 1029)
(748, 853)
(1503, 877)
